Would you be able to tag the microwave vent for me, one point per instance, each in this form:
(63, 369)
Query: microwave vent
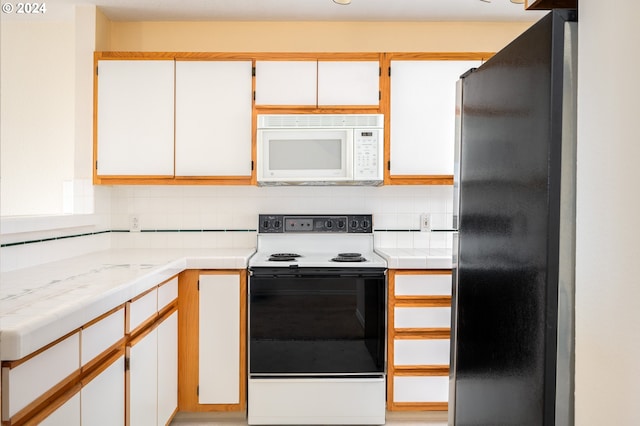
(292, 121)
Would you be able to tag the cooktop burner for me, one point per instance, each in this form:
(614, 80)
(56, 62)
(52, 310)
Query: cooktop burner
(349, 257)
(283, 257)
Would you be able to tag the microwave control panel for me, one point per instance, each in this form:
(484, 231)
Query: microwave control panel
(367, 156)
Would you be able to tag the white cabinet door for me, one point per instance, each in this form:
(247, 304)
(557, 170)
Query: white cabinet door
(67, 415)
(423, 115)
(348, 83)
(219, 337)
(213, 118)
(143, 381)
(286, 82)
(103, 398)
(167, 369)
(135, 117)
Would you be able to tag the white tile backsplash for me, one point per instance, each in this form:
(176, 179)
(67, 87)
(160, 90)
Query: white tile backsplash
(237, 207)
(233, 210)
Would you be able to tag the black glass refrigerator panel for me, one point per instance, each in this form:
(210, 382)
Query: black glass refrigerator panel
(307, 324)
(503, 366)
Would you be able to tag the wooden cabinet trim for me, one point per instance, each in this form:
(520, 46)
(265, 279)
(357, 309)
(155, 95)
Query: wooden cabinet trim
(421, 333)
(422, 370)
(418, 406)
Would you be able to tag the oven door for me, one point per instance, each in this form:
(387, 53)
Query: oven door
(317, 321)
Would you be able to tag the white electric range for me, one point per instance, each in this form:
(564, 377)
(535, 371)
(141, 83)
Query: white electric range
(317, 322)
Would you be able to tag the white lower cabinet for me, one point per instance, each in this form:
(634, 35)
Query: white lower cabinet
(167, 369)
(103, 399)
(68, 414)
(143, 380)
(419, 339)
(81, 378)
(219, 339)
(153, 375)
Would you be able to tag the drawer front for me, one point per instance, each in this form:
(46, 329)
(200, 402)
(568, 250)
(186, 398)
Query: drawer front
(423, 285)
(101, 335)
(167, 293)
(421, 352)
(421, 389)
(142, 309)
(26, 382)
(422, 317)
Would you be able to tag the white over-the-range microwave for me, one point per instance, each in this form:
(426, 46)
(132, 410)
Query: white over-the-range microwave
(320, 149)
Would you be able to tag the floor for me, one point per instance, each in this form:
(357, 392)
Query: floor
(429, 418)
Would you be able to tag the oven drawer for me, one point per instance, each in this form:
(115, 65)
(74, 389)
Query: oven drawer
(421, 352)
(316, 401)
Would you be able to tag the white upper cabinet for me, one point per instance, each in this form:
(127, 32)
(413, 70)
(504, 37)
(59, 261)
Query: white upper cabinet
(315, 83)
(213, 118)
(348, 83)
(286, 82)
(135, 117)
(423, 115)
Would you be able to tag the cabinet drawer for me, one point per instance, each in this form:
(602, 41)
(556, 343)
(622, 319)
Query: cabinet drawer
(142, 309)
(421, 352)
(422, 317)
(421, 389)
(167, 293)
(24, 383)
(101, 335)
(423, 285)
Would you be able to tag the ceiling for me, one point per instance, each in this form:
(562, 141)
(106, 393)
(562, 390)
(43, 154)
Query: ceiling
(306, 10)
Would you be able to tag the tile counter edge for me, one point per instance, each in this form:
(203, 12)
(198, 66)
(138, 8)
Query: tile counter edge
(88, 286)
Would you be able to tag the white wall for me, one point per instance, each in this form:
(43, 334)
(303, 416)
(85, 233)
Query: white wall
(608, 202)
(46, 111)
(37, 133)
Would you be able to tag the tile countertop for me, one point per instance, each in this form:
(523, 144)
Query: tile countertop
(41, 304)
(415, 258)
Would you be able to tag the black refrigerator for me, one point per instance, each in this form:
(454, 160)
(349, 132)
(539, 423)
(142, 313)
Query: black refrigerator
(513, 252)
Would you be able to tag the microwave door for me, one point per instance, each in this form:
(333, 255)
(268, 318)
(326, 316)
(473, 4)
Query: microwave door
(305, 155)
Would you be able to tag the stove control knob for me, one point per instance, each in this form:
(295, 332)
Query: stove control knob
(328, 224)
(354, 224)
(340, 224)
(365, 224)
(265, 224)
(276, 224)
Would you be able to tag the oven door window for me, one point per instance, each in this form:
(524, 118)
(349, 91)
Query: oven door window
(317, 325)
